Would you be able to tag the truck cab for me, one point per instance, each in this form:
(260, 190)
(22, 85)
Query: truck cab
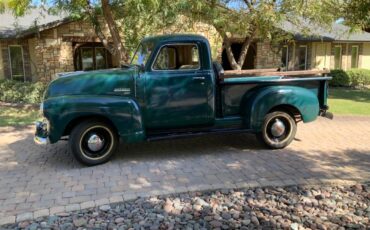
(172, 89)
(176, 81)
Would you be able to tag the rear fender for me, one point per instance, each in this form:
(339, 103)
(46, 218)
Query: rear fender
(124, 113)
(258, 103)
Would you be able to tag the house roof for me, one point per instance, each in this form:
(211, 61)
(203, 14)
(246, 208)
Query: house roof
(38, 19)
(35, 19)
(338, 32)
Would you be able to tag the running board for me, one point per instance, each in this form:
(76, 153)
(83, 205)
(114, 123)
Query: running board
(167, 136)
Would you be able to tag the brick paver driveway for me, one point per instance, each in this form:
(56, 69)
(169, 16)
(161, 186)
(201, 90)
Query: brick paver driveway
(36, 181)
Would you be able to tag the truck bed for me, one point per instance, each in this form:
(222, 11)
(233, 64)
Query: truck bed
(235, 86)
(232, 90)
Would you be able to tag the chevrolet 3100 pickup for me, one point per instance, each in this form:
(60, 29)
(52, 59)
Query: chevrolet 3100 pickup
(172, 89)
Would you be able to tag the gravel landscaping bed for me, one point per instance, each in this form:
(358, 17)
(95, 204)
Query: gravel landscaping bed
(293, 207)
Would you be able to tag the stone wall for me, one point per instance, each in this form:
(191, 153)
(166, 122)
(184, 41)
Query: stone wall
(32, 49)
(52, 55)
(267, 56)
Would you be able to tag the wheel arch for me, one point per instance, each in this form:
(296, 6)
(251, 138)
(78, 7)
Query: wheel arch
(97, 117)
(300, 102)
(290, 109)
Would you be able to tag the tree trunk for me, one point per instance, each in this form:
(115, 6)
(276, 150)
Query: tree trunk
(230, 55)
(228, 50)
(96, 24)
(119, 50)
(116, 49)
(245, 48)
(243, 53)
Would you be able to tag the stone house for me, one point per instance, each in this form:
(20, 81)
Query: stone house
(38, 46)
(57, 44)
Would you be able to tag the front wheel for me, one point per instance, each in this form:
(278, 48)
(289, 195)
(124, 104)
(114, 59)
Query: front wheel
(278, 130)
(93, 142)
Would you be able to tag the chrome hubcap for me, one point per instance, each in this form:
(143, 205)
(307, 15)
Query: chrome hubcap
(277, 128)
(95, 143)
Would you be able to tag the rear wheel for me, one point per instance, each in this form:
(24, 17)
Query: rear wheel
(278, 130)
(93, 142)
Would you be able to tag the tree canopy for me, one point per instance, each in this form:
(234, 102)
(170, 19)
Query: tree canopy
(356, 13)
(251, 19)
(130, 20)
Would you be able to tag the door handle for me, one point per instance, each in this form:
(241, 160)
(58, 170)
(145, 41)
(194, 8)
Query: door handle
(199, 78)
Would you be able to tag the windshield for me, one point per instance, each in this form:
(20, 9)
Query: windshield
(142, 54)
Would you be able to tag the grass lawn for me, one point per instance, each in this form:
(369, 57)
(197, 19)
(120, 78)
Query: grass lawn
(344, 101)
(17, 115)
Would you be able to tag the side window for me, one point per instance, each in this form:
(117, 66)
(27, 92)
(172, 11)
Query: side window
(192, 62)
(178, 57)
(16, 63)
(338, 57)
(354, 57)
(166, 59)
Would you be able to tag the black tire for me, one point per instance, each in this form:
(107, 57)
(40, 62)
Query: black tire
(93, 142)
(278, 137)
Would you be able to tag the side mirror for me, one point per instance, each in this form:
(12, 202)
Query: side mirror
(142, 68)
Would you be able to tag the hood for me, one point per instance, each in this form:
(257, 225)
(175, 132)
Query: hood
(102, 82)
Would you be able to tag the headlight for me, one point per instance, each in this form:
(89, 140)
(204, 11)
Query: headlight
(44, 125)
(47, 125)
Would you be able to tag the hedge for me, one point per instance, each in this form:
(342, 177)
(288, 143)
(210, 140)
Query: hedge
(359, 77)
(21, 92)
(350, 78)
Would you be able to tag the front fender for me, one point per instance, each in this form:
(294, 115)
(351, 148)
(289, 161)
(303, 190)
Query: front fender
(123, 112)
(258, 103)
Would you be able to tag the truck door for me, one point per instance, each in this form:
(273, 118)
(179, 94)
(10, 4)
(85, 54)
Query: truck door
(177, 89)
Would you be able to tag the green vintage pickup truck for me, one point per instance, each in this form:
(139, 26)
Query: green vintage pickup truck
(172, 89)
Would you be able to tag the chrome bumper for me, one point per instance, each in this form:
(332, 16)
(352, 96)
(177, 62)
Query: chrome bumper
(41, 140)
(41, 134)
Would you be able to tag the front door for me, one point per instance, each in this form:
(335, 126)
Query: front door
(176, 89)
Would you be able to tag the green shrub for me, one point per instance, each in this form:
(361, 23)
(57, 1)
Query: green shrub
(21, 92)
(340, 78)
(359, 77)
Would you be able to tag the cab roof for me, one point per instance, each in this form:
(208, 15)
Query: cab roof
(174, 38)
